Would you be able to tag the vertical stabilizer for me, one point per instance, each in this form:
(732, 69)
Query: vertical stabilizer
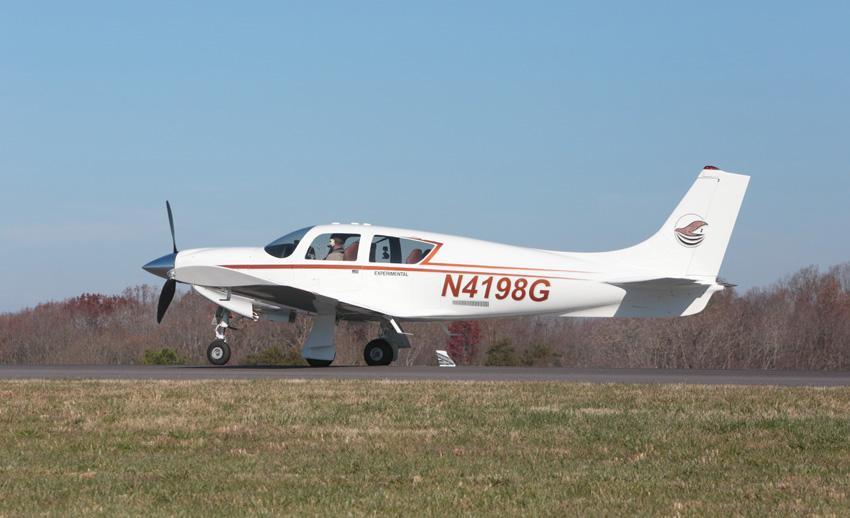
(693, 240)
(674, 273)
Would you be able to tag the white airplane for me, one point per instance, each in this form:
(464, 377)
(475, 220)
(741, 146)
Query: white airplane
(369, 273)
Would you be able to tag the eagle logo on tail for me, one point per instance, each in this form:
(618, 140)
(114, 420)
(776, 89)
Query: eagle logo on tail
(692, 234)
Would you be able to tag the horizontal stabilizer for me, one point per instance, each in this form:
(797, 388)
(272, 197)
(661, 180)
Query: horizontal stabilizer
(661, 297)
(444, 359)
(662, 283)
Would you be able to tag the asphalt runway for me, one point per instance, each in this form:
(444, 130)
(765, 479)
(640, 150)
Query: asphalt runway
(402, 373)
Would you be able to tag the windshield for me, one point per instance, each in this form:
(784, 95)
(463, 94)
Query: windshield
(284, 246)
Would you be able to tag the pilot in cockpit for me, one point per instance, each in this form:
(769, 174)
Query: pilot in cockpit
(337, 250)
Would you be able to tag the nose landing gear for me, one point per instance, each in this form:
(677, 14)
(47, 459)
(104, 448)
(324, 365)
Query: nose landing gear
(218, 353)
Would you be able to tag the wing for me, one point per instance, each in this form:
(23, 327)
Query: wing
(277, 302)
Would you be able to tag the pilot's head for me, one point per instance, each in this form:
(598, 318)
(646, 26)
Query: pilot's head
(337, 241)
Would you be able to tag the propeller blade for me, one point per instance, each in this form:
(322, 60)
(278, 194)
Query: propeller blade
(171, 224)
(165, 299)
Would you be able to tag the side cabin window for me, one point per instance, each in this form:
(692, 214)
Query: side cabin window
(398, 250)
(334, 247)
(284, 246)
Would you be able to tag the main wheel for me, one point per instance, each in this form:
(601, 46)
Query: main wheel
(378, 352)
(218, 353)
(318, 363)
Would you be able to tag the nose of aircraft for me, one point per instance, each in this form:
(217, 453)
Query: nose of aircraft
(160, 267)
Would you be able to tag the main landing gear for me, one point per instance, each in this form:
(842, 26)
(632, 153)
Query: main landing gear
(378, 352)
(319, 349)
(384, 349)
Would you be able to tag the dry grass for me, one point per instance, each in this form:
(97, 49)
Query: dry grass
(357, 448)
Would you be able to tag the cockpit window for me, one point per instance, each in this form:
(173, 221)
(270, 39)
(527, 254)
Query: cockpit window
(284, 246)
(334, 247)
(389, 249)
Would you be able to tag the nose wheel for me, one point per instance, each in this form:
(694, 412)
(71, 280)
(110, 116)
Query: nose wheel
(218, 353)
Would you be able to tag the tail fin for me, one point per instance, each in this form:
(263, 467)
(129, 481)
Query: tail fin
(674, 273)
(693, 240)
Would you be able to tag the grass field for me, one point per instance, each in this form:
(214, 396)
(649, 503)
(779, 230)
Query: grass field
(336, 448)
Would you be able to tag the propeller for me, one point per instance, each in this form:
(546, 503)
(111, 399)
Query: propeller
(161, 267)
(171, 224)
(165, 298)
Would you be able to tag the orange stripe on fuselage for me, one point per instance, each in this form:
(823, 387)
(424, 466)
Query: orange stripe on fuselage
(352, 266)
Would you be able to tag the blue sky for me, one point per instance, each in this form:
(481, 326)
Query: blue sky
(542, 124)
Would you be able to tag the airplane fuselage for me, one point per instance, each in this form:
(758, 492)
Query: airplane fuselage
(443, 285)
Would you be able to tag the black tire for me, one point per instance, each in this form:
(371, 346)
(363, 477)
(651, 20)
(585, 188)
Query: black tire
(218, 353)
(378, 352)
(318, 363)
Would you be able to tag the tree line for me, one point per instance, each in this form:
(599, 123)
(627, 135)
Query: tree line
(800, 322)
